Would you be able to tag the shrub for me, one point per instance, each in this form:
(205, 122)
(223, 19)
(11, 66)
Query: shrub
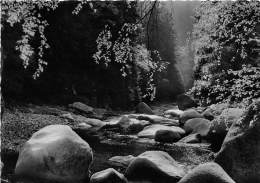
(226, 63)
(239, 86)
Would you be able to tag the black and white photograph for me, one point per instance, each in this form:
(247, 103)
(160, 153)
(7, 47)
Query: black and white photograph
(130, 91)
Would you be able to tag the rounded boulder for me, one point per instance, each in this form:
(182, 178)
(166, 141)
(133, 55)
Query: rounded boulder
(189, 114)
(197, 125)
(154, 167)
(207, 173)
(55, 153)
(167, 136)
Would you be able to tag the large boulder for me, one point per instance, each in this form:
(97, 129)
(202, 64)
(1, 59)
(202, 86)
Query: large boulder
(240, 152)
(207, 173)
(167, 136)
(189, 114)
(185, 102)
(150, 131)
(197, 125)
(109, 175)
(55, 153)
(143, 108)
(154, 167)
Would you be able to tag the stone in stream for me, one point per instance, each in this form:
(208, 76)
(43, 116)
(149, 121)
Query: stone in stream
(154, 167)
(134, 128)
(143, 108)
(174, 112)
(90, 121)
(185, 102)
(55, 153)
(150, 131)
(207, 173)
(240, 152)
(197, 125)
(82, 107)
(121, 161)
(155, 119)
(99, 113)
(167, 136)
(126, 122)
(192, 138)
(109, 175)
(67, 116)
(126, 125)
(82, 119)
(189, 114)
(208, 115)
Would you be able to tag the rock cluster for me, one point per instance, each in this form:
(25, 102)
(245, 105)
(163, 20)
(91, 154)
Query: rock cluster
(56, 153)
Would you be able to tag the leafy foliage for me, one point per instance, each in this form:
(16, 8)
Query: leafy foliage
(237, 85)
(226, 26)
(75, 32)
(136, 62)
(25, 12)
(226, 64)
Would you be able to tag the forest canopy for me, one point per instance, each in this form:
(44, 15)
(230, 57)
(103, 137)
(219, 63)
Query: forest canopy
(65, 46)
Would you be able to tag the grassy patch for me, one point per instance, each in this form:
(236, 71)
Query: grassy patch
(17, 127)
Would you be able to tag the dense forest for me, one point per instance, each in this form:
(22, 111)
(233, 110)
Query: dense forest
(101, 53)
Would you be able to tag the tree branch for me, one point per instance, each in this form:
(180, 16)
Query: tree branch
(147, 26)
(149, 12)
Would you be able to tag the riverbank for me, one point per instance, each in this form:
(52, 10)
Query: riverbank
(109, 135)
